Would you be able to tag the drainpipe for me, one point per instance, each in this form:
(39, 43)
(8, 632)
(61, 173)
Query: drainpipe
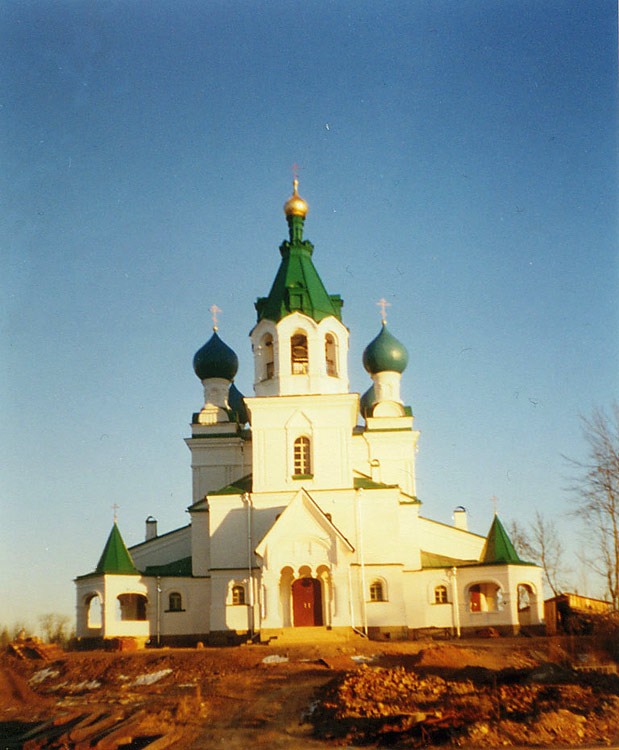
(352, 612)
(158, 610)
(454, 593)
(250, 613)
(362, 562)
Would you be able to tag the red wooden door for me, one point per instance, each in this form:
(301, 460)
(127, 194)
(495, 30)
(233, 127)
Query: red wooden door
(475, 595)
(306, 602)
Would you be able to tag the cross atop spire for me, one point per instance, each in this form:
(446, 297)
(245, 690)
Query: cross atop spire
(383, 304)
(213, 309)
(115, 509)
(495, 500)
(295, 171)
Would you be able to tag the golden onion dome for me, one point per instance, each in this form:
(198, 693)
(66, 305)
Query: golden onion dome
(295, 205)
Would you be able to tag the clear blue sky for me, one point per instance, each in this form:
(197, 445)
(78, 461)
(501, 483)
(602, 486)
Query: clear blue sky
(458, 158)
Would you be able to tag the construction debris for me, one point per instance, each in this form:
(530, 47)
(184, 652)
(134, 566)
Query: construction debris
(475, 707)
(32, 648)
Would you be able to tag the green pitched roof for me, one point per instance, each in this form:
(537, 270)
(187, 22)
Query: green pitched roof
(498, 547)
(238, 487)
(433, 560)
(116, 557)
(180, 567)
(297, 286)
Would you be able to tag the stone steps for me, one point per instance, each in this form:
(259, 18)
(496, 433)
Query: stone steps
(317, 634)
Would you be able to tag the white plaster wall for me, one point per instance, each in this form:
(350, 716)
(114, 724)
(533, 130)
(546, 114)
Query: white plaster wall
(394, 450)
(196, 600)
(224, 614)
(447, 540)
(83, 589)
(276, 422)
(162, 549)
(115, 585)
(217, 461)
(200, 542)
(421, 611)
(392, 610)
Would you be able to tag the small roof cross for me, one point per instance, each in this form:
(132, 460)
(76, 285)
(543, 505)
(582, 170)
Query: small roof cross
(295, 171)
(383, 304)
(495, 500)
(115, 508)
(214, 310)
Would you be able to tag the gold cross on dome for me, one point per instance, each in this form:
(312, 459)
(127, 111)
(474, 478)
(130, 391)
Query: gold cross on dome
(214, 310)
(295, 171)
(115, 509)
(383, 304)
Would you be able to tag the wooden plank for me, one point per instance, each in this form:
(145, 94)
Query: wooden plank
(161, 743)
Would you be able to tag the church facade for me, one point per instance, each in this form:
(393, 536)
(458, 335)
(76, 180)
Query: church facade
(304, 511)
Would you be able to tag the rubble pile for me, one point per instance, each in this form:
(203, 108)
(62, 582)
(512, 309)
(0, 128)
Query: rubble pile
(378, 705)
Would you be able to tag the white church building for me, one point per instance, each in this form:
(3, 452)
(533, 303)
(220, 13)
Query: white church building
(304, 511)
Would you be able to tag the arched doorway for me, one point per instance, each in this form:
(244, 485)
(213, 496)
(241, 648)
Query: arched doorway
(306, 602)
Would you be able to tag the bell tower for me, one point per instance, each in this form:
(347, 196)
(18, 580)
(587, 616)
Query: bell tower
(300, 344)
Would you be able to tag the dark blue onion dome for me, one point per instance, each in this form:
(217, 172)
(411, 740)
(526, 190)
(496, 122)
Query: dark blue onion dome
(385, 354)
(215, 360)
(367, 402)
(237, 406)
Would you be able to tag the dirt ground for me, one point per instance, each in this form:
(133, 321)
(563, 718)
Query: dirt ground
(483, 693)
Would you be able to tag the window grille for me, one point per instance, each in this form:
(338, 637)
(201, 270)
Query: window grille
(376, 592)
(302, 462)
(238, 595)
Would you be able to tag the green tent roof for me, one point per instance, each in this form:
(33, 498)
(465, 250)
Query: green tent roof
(116, 557)
(498, 547)
(297, 286)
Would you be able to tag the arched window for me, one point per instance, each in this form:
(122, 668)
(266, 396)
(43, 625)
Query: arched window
(238, 594)
(298, 354)
(267, 357)
(485, 597)
(175, 602)
(301, 457)
(440, 595)
(94, 611)
(377, 591)
(331, 355)
(132, 606)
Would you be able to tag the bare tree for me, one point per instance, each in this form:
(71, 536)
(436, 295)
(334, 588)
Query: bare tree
(598, 496)
(540, 542)
(55, 628)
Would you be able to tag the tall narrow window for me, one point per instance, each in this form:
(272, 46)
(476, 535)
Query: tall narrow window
(331, 355)
(302, 461)
(268, 357)
(298, 354)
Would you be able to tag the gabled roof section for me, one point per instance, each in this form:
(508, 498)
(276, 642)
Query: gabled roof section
(116, 558)
(297, 286)
(303, 499)
(498, 547)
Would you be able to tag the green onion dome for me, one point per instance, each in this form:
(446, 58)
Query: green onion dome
(367, 402)
(237, 405)
(215, 360)
(385, 354)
